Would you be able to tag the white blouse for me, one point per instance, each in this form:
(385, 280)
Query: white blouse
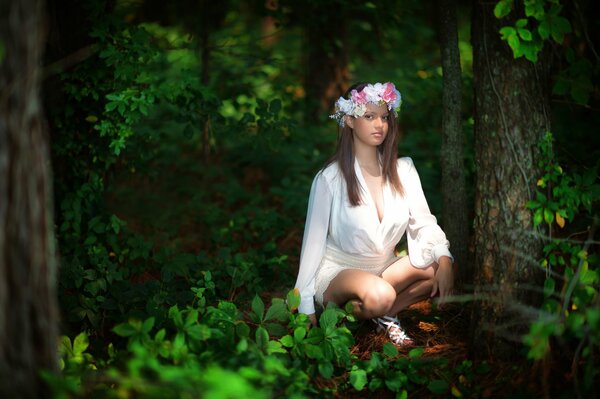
(356, 230)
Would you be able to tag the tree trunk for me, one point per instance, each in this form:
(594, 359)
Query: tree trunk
(456, 223)
(327, 74)
(511, 105)
(28, 312)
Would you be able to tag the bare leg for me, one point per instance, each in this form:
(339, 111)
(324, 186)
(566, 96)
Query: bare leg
(370, 295)
(413, 294)
(412, 284)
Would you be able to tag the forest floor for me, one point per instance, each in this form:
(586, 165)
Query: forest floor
(443, 333)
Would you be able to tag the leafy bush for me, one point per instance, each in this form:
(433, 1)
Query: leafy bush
(570, 312)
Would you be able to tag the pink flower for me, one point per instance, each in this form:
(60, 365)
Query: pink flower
(389, 93)
(359, 98)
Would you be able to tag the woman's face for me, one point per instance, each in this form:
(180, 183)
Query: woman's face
(370, 129)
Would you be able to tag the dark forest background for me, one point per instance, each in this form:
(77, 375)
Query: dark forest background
(156, 159)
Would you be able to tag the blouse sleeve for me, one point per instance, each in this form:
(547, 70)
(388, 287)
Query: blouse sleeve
(426, 240)
(314, 241)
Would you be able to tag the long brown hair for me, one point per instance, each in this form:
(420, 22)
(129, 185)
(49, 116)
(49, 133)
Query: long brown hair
(388, 151)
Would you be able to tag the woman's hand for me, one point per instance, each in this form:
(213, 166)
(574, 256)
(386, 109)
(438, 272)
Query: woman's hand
(443, 281)
(313, 319)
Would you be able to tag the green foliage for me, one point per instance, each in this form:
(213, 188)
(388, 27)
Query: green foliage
(526, 37)
(269, 351)
(118, 103)
(564, 195)
(576, 79)
(543, 23)
(570, 311)
(165, 183)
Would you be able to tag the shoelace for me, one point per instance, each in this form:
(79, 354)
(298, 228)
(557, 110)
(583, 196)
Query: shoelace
(391, 325)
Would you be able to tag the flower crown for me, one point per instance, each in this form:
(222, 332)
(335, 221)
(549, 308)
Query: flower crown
(356, 105)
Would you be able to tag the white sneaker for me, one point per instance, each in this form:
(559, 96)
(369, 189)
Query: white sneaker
(393, 329)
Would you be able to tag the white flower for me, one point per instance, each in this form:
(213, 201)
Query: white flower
(344, 105)
(373, 92)
(359, 110)
(377, 93)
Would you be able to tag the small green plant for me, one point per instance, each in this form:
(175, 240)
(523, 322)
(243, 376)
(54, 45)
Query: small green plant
(570, 313)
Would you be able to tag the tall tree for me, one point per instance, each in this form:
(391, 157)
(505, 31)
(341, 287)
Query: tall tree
(454, 194)
(28, 313)
(511, 115)
(327, 73)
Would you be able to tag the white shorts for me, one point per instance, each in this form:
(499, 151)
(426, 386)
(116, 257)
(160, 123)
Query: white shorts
(334, 261)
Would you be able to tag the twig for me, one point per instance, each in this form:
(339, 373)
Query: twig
(70, 60)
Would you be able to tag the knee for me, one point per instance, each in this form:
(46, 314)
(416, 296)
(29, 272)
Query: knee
(379, 298)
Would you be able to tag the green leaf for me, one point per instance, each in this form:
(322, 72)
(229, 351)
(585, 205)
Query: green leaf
(521, 23)
(538, 217)
(326, 369)
(530, 50)
(390, 350)
(242, 345)
(314, 352)
(438, 387)
(160, 335)
(275, 329)
(258, 307)
(548, 216)
(593, 317)
(275, 347)
(588, 277)
(80, 343)
(525, 34)
(515, 45)
(396, 381)
(549, 285)
(544, 29)
(293, 299)
(315, 336)
(503, 8)
(416, 353)
(147, 325)
(276, 311)
(199, 332)
(287, 341)
(299, 334)
(124, 330)
(535, 9)
(175, 315)
(328, 319)
(262, 338)
(65, 346)
(242, 330)
(560, 27)
(507, 31)
(358, 379)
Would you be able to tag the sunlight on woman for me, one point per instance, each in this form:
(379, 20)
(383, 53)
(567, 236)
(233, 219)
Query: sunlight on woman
(361, 204)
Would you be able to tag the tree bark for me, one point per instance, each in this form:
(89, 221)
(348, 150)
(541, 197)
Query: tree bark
(511, 103)
(454, 195)
(28, 312)
(327, 74)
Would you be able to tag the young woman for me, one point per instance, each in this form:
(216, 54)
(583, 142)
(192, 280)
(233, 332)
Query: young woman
(360, 206)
